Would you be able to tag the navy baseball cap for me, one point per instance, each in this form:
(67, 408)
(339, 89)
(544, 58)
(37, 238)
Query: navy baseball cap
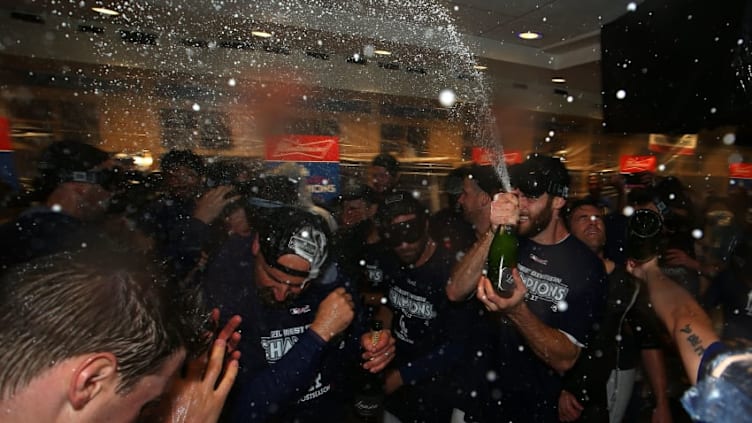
(289, 230)
(541, 174)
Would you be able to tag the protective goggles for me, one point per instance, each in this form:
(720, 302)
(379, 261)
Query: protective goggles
(109, 179)
(408, 232)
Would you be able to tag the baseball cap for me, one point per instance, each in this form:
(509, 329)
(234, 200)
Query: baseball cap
(355, 190)
(540, 174)
(62, 161)
(288, 230)
(486, 178)
(388, 162)
(401, 203)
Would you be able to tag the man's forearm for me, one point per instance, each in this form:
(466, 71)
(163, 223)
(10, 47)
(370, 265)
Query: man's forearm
(687, 322)
(465, 275)
(655, 367)
(549, 344)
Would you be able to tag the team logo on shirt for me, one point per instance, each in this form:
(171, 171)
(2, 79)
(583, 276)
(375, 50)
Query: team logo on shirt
(279, 342)
(316, 390)
(410, 304)
(375, 274)
(542, 287)
(300, 310)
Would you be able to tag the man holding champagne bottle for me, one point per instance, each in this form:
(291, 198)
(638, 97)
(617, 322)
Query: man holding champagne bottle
(557, 298)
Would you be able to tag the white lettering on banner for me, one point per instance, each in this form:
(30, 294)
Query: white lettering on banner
(293, 147)
(279, 342)
(749, 304)
(317, 189)
(542, 286)
(410, 304)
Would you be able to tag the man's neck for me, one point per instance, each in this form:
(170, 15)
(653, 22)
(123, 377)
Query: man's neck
(427, 253)
(553, 233)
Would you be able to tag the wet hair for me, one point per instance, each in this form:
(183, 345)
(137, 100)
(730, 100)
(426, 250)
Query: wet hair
(96, 300)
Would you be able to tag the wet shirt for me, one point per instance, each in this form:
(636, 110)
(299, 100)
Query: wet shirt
(429, 329)
(733, 291)
(566, 285)
(629, 324)
(288, 373)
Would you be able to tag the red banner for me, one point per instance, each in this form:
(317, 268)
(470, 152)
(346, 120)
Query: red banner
(740, 170)
(481, 156)
(637, 164)
(302, 148)
(4, 135)
(684, 145)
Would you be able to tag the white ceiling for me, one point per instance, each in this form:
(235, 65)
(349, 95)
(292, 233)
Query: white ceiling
(421, 29)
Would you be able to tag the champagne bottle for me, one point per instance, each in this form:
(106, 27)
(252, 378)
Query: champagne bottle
(370, 396)
(502, 258)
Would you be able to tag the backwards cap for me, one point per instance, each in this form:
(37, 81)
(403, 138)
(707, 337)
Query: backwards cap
(288, 230)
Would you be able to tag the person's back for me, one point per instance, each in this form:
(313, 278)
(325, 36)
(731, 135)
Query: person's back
(70, 186)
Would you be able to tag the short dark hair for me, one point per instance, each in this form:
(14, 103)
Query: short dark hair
(388, 162)
(576, 204)
(61, 306)
(182, 158)
(486, 178)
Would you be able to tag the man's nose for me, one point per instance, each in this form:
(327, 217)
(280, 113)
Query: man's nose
(280, 293)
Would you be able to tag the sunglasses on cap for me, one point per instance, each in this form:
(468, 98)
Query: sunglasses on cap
(407, 232)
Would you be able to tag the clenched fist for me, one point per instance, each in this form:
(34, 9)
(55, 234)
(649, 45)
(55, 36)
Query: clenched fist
(334, 315)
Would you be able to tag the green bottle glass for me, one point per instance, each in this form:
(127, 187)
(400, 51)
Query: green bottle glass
(502, 258)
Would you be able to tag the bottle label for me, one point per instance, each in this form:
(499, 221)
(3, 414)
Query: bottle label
(505, 284)
(367, 406)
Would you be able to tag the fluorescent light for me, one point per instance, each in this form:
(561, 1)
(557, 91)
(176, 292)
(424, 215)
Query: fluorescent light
(382, 52)
(558, 80)
(105, 11)
(262, 34)
(529, 35)
(480, 67)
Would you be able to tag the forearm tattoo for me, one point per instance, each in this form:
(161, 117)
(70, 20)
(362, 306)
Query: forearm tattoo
(693, 339)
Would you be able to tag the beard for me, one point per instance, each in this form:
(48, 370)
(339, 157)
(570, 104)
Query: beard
(410, 255)
(266, 295)
(538, 222)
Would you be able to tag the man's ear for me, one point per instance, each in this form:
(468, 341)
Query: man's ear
(94, 374)
(255, 247)
(559, 202)
(371, 210)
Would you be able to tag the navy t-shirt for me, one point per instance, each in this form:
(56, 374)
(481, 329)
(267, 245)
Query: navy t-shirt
(287, 372)
(734, 294)
(433, 336)
(566, 285)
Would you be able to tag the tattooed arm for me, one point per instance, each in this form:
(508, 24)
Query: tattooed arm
(688, 324)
